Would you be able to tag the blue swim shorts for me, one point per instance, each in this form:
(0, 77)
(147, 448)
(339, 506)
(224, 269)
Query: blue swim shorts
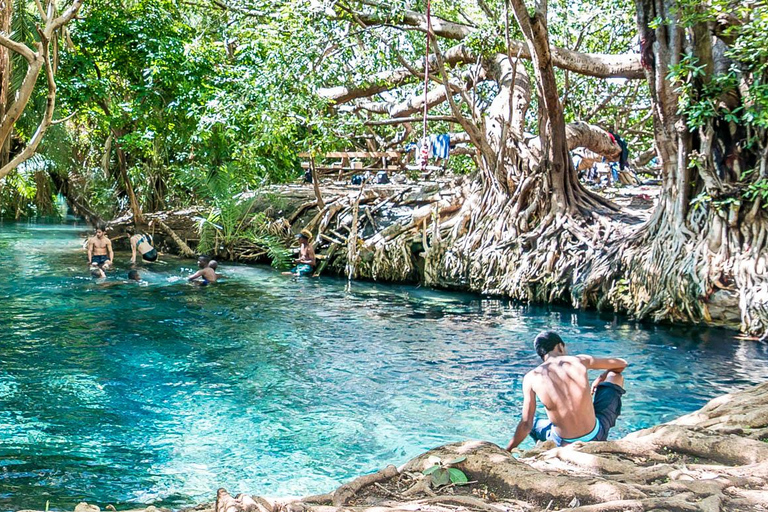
(99, 259)
(303, 269)
(607, 403)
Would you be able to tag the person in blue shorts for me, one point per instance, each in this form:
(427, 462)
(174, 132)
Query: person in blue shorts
(575, 410)
(100, 250)
(305, 263)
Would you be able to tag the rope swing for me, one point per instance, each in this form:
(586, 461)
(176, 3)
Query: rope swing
(425, 138)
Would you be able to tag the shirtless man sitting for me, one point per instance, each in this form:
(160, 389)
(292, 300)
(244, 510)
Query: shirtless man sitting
(305, 263)
(561, 383)
(100, 250)
(207, 273)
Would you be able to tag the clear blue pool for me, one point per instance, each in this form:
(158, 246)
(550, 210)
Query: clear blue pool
(160, 394)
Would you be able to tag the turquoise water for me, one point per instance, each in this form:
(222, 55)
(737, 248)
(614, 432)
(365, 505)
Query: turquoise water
(160, 394)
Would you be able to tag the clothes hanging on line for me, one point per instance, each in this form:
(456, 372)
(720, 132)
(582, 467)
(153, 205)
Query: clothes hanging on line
(439, 146)
(624, 156)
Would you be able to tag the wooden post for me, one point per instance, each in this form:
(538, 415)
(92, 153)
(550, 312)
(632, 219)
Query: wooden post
(316, 184)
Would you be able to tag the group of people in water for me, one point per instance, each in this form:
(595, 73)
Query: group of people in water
(576, 411)
(101, 257)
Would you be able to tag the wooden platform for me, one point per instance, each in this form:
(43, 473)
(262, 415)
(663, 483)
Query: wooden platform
(346, 166)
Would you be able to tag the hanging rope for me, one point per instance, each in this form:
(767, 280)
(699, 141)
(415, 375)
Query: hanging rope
(425, 139)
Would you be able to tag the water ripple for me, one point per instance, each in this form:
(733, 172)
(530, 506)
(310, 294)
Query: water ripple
(163, 393)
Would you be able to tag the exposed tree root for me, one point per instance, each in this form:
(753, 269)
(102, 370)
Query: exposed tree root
(697, 463)
(461, 234)
(688, 465)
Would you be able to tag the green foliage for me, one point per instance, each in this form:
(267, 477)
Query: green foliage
(443, 474)
(462, 164)
(230, 223)
(757, 189)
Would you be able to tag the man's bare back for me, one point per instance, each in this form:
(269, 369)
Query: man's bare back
(562, 386)
(561, 383)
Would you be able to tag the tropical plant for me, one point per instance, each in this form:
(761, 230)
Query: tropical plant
(441, 473)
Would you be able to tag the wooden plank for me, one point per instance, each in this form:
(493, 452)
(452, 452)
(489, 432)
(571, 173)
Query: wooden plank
(356, 154)
(350, 169)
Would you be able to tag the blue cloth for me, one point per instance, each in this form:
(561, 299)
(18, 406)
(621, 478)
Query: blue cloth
(614, 172)
(302, 269)
(607, 402)
(441, 145)
(99, 259)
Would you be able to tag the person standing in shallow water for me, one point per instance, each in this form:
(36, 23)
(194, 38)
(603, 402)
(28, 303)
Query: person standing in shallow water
(100, 250)
(305, 263)
(206, 273)
(561, 382)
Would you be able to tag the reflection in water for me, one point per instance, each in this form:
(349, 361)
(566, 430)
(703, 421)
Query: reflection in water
(261, 384)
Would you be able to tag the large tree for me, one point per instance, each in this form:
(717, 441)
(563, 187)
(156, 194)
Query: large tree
(534, 233)
(39, 57)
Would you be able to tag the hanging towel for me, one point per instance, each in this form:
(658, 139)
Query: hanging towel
(441, 145)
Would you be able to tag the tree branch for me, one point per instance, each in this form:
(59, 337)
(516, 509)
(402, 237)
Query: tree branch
(591, 64)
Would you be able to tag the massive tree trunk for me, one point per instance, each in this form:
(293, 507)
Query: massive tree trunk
(702, 262)
(6, 12)
(529, 230)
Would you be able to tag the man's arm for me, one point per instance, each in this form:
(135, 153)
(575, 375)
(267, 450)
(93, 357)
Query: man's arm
(109, 251)
(133, 250)
(529, 412)
(90, 249)
(195, 275)
(611, 364)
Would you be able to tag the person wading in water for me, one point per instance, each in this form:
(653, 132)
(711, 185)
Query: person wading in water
(561, 383)
(100, 250)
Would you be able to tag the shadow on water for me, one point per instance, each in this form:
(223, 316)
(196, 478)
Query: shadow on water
(161, 393)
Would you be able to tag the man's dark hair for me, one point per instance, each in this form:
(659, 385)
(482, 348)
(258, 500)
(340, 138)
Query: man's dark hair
(101, 227)
(133, 274)
(546, 342)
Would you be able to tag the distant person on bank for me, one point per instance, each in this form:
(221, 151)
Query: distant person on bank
(142, 243)
(100, 250)
(305, 263)
(206, 274)
(561, 382)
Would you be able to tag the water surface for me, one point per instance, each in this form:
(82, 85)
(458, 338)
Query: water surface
(160, 394)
